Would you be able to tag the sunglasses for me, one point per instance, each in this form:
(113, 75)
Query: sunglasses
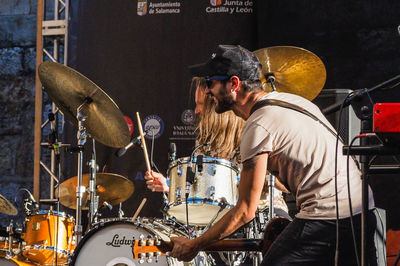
(209, 81)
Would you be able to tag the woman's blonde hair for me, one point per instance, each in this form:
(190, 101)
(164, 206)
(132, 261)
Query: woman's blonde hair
(222, 131)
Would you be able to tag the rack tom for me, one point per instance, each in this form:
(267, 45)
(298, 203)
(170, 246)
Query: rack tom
(213, 192)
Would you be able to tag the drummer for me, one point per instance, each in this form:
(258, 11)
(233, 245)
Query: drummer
(302, 153)
(223, 132)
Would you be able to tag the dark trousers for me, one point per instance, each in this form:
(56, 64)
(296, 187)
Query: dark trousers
(312, 242)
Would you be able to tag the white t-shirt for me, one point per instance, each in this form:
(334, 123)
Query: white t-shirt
(302, 156)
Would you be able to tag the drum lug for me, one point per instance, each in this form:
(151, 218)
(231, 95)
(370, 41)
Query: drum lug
(179, 170)
(157, 255)
(211, 192)
(178, 193)
(213, 169)
(149, 256)
(142, 256)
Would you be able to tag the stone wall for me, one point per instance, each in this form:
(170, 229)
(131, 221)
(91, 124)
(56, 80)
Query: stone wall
(17, 100)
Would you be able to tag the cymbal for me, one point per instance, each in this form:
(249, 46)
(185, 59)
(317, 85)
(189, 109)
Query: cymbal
(296, 70)
(6, 206)
(112, 188)
(69, 89)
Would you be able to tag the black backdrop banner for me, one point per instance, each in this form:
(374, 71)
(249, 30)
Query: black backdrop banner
(138, 52)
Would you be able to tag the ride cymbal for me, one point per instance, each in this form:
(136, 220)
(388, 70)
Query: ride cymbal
(69, 89)
(111, 188)
(7, 207)
(295, 70)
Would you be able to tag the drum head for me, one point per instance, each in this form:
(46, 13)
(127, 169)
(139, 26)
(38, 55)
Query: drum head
(199, 213)
(111, 244)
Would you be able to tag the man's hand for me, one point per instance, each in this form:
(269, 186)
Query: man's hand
(156, 181)
(184, 249)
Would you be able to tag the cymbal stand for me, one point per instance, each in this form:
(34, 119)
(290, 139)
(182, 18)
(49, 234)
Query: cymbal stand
(94, 199)
(271, 80)
(81, 138)
(120, 211)
(10, 231)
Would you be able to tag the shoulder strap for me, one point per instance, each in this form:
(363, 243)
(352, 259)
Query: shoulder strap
(287, 105)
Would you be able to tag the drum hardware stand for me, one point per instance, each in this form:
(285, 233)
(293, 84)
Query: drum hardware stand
(271, 185)
(81, 138)
(270, 78)
(94, 199)
(10, 231)
(120, 211)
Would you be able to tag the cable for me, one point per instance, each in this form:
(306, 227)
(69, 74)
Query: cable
(350, 205)
(336, 185)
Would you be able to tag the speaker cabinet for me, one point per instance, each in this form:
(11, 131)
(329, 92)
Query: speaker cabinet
(349, 123)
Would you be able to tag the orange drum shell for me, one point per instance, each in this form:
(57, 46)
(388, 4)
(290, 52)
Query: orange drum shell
(41, 237)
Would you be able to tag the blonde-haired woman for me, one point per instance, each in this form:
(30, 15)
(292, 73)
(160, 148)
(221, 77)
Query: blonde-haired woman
(221, 131)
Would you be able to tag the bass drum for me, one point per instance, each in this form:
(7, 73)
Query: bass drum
(113, 243)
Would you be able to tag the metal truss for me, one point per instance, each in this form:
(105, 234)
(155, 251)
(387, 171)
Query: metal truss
(51, 45)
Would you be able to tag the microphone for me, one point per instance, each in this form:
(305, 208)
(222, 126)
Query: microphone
(199, 163)
(133, 142)
(32, 199)
(172, 152)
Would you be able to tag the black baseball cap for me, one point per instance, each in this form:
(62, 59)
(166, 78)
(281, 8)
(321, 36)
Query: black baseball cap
(229, 60)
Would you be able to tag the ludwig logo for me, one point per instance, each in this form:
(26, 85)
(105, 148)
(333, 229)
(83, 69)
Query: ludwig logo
(142, 7)
(154, 126)
(117, 241)
(215, 2)
(188, 117)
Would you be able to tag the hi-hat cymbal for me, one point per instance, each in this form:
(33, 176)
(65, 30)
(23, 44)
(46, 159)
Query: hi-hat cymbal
(111, 188)
(6, 206)
(295, 70)
(69, 89)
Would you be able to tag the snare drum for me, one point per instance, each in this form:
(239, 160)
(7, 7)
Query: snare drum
(123, 242)
(213, 192)
(47, 233)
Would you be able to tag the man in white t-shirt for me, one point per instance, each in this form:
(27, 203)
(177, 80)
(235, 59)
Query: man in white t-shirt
(300, 151)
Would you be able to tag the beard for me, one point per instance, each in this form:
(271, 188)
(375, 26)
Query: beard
(225, 104)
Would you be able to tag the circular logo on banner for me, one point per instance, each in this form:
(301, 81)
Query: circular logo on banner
(154, 126)
(188, 117)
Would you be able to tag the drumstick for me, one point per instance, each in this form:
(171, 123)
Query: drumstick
(139, 209)
(146, 156)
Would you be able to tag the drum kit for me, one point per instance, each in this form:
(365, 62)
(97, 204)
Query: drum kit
(202, 188)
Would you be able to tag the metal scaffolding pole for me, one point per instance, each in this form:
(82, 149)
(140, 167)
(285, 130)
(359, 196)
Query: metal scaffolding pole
(51, 45)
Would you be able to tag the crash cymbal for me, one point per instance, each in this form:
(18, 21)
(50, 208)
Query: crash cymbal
(6, 206)
(68, 89)
(112, 188)
(295, 70)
